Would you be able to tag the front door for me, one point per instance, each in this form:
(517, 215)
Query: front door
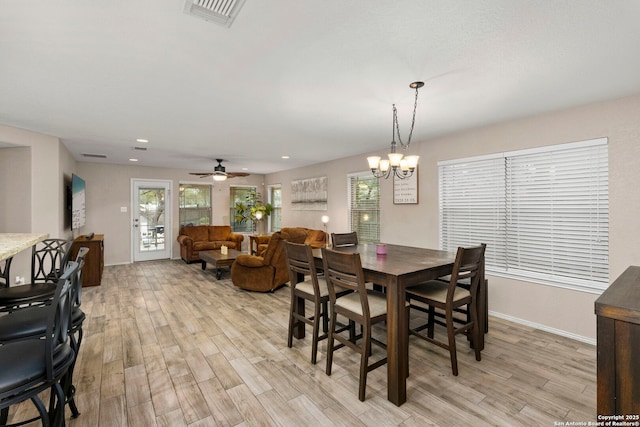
(151, 212)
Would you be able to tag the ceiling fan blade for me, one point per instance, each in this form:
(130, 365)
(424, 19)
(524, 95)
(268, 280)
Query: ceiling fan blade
(237, 174)
(201, 174)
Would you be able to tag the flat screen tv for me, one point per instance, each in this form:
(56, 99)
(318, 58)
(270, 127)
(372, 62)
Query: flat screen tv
(78, 213)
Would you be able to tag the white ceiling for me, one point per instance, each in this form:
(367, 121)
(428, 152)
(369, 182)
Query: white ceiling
(311, 79)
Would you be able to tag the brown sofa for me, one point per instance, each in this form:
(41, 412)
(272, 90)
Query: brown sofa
(268, 272)
(194, 238)
(315, 239)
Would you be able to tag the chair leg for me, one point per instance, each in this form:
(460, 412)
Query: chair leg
(291, 321)
(70, 388)
(475, 331)
(330, 339)
(452, 342)
(431, 321)
(57, 416)
(315, 333)
(325, 317)
(364, 362)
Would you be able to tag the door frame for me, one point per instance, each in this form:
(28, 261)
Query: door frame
(168, 214)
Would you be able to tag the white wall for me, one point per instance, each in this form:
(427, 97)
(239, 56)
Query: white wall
(34, 186)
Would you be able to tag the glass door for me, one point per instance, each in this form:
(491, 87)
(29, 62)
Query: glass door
(151, 231)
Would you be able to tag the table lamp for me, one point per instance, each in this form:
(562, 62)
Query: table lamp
(325, 221)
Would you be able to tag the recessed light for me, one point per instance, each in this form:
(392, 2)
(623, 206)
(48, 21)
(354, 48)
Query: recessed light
(285, 157)
(245, 169)
(142, 140)
(133, 160)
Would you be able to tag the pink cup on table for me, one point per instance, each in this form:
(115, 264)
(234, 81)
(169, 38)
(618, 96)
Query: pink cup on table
(381, 249)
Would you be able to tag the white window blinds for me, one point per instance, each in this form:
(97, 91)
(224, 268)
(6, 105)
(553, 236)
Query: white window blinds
(472, 207)
(364, 206)
(543, 212)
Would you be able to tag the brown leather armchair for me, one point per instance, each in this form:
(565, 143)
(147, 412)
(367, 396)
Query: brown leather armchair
(268, 272)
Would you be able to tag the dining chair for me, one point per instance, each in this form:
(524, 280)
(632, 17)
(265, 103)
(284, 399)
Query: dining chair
(312, 288)
(31, 322)
(341, 240)
(48, 260)
(5, 272)
(33, 365)
(344, 271)
(447, 297)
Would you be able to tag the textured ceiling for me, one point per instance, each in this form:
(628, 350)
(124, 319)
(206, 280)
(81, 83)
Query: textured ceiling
(314, 80)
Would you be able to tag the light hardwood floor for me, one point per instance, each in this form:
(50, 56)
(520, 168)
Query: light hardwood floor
(168, 345)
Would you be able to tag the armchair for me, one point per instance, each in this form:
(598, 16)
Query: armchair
(268, 272)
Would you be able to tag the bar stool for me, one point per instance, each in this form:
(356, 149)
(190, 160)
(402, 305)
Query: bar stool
(33, 365)
(48, 259)
(448, 297)
(31, 322)
(344, 271)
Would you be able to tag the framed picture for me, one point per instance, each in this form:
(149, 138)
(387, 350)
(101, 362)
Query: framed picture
(309, 194)
(405, 191)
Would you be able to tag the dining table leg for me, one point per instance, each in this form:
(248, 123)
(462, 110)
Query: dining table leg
(397, 342)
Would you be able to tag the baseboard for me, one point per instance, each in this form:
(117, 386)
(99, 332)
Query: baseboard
(543, 328)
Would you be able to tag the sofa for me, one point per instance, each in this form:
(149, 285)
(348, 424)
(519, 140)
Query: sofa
(194, 238)
(315, 239)
(268, 272)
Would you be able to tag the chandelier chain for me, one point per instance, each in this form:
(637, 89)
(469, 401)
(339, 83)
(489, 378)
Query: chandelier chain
(413, 121)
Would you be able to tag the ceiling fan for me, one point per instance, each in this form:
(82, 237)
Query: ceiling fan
(219, 172)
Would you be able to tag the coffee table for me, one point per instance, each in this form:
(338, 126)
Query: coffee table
(218, 259)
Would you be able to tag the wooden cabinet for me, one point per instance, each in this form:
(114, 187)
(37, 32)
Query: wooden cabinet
(94, 262)
(618, 311)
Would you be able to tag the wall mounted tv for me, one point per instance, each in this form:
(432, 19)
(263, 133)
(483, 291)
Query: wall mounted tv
(78, 213)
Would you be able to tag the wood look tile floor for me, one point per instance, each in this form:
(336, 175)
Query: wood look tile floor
(168, 345)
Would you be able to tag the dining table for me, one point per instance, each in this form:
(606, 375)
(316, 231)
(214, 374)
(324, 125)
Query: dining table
(400, 268)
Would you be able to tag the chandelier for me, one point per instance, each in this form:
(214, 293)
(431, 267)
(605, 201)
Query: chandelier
(401, 166)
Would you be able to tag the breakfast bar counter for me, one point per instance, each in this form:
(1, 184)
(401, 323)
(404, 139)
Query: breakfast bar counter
(12, 243)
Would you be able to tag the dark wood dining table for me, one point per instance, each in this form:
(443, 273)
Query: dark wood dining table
(400, 268)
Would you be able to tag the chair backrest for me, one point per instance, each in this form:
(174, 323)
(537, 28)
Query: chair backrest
(344, 269)
(76, 293)
(58, 319)
(48, 260)
(300, 262)
(467, 266)
(5, 271)
(340, 240)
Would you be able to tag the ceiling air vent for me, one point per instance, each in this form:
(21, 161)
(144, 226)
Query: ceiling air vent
(140, 148)
(221, 12)
(95, 156)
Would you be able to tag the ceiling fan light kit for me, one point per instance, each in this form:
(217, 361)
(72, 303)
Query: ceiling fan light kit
(219, 173)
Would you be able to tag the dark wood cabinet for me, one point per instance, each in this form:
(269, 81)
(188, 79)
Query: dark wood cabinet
(94, 262)
(618, 311)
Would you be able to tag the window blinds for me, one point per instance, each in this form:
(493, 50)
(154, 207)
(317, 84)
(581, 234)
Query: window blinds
(543, 212)
(364, 207)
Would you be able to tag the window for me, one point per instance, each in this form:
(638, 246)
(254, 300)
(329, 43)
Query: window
(275, 199)
(240, 195)
(364, 206)
(194, 204)
(544, 213)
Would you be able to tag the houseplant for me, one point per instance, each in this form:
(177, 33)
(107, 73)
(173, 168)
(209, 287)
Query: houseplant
(253, 210)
